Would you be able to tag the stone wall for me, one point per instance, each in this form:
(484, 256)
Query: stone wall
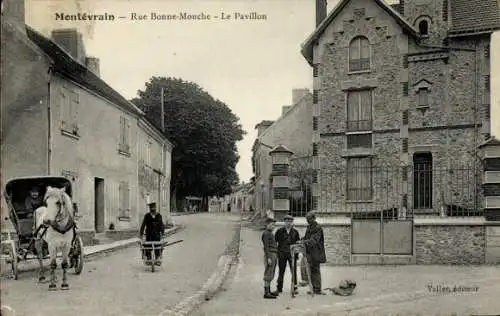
(446, 244)
(337, 242)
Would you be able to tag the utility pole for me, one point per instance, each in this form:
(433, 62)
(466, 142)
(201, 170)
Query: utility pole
(162, 112)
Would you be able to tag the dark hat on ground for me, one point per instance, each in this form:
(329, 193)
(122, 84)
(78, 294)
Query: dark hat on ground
(270, 220)
(288, 217)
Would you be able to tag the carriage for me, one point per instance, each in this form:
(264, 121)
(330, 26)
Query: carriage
(22, 248)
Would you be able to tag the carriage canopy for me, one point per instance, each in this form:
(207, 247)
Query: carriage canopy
(20, 187)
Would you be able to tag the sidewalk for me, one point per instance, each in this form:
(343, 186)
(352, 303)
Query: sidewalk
(88, 251)
(380, 289)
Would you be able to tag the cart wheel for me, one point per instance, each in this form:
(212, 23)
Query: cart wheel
(77, 256)
(14, 262)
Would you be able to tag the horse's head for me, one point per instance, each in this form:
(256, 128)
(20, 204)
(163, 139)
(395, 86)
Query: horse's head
(58, 204)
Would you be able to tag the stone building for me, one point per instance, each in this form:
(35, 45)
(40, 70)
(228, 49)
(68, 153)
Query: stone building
(292, 129)
(60, 118)
(404, 88)
(401, 105)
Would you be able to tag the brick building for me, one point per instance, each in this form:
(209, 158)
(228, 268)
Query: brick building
(404, 85)
(60, 118)
(292, 129)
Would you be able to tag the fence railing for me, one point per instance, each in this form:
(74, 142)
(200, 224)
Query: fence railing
(391, 192)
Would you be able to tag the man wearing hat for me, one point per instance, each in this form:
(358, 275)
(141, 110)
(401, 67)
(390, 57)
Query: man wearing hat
(270, 257)
(33, 201)
(153, 224)
(314, 242)
(285, 237)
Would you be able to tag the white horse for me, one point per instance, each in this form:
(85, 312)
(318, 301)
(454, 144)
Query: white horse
(54, 224)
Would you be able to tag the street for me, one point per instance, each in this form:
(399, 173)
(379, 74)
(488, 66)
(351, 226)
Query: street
(119, 284)
(381, 290)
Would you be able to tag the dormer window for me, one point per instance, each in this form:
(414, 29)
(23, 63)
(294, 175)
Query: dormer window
(423, 23)
(423, 97)
(422, 92)
(423, 28)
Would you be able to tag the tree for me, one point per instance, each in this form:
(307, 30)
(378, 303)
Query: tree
(301, 179)
(204, 131)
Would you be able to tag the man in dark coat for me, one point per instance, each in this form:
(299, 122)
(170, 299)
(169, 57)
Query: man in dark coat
(270, 257)
(314, 242)
(153, 224)
(285, 237)
(33, 201)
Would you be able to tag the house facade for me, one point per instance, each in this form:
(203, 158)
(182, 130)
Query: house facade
(59, 118)
(401, 105)
(292, 129)
(400, 90)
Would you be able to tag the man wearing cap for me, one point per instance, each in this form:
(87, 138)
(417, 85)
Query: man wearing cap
(270, 258)
(314, 242)
(153, 224)
(285, 237)
(33, 201)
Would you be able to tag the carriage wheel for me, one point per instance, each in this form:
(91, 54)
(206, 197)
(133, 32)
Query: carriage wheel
(77, 257)
(14, 263)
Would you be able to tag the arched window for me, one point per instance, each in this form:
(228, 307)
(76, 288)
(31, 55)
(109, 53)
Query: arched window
(359, 54)
(423, 28)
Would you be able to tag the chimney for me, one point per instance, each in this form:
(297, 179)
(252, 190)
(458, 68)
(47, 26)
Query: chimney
(284, 109)
(262, 126)
(320, 11)
(72, 42)
(92, 64)
(13, 11)
(297, 94)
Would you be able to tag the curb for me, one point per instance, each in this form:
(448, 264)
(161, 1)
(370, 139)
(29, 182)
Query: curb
(214, 283)
(32, 265)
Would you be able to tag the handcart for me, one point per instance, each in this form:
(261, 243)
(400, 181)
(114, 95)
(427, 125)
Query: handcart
(154, 246)
(297, 249)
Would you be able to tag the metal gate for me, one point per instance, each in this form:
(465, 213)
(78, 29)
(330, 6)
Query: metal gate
(381, 222)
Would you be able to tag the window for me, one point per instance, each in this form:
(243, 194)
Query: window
(124, 200)
(422, 181)
(359, 141)
(423, 97)
(359, 110)
(124, 145)
(69, 102)
(423, 28)
(359, 54)
(359, 179)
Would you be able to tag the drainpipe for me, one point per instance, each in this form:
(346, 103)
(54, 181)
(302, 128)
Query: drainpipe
(49, 125)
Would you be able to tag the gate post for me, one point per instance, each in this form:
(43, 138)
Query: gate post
(280, 181)
(491, 193)
(491, 179)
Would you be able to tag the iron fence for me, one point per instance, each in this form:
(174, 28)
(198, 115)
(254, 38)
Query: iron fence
(390, 192)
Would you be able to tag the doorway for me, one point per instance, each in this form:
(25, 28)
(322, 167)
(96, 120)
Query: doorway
(99, 205)
(422, 181)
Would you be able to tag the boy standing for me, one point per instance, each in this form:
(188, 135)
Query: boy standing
(270, 258)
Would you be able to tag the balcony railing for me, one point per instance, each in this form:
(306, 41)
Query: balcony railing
(359, 126)
(359, 64)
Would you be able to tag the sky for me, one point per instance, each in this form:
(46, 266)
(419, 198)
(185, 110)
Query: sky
(251, 65)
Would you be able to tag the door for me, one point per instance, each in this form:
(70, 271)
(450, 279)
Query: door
(99, 205)
(422, 181)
